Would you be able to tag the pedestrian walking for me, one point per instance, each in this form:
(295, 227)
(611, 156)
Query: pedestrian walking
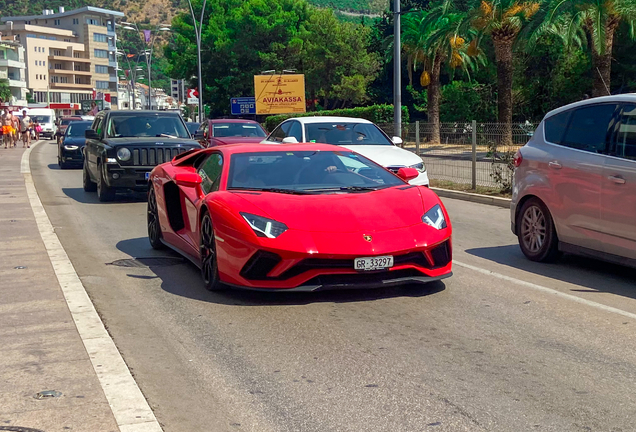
(7, 129)
(38, 128)
(15, 122)
(94, 110)
(25, 127)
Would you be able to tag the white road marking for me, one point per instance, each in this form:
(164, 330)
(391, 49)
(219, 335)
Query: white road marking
(130, 409)
(547, 290)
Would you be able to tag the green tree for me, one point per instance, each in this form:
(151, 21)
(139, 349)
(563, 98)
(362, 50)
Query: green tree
(503, 21)
(5, 90)
(593, 24)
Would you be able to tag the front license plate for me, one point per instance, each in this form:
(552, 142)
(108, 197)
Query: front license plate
(147, 175)
(373, 263)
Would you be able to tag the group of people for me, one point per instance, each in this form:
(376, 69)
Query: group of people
(14, 128)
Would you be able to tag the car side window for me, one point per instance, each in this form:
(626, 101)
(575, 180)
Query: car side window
(588, 128)
(210, 172)
(280, 132)
(555, 127)
(623, 143)
(296, 131)
(97, 126)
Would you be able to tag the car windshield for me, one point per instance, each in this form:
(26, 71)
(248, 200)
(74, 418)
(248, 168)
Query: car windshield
(67, 121)
(237, 130)
(308, 172)
(146, 125)
(41, 118)
(345, 134)
(77, 128)
(192, 127)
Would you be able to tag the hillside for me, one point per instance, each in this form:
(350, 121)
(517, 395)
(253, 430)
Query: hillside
(155, 11)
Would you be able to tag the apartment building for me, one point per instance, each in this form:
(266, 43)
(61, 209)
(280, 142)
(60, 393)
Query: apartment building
(13, 69)
(69, 55)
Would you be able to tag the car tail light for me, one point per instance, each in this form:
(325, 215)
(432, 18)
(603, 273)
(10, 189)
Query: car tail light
(517, 159)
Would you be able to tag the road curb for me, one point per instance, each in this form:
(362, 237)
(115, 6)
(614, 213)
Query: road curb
(473, 197)
(128, 405)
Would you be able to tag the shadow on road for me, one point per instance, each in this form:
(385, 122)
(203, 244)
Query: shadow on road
(54, 166)
(589, 273)
(81, 196)
(184, 279)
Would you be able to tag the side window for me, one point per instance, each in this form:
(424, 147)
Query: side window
(97, 126)
(295, 130)
(210, 172)
(588, 128)
(555, 127)
(280, 132)
(623, 144)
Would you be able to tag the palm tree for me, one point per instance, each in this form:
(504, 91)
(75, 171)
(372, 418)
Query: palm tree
(445, 35)
(593, 23)
(412, 42)
(503, 21)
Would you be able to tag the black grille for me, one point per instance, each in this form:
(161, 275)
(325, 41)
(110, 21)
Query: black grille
(151, 156)
(259, 265)
(362, 278)
(417, 258)
(441, 254)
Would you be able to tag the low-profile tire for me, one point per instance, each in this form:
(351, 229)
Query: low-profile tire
(536, 233)
(104, 193)
(209, 266)
(89, 185)
(154, 228)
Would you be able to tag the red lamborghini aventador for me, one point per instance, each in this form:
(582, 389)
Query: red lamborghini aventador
(297, 217)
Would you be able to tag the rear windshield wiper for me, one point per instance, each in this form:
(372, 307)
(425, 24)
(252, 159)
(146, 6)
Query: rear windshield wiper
(273, 190)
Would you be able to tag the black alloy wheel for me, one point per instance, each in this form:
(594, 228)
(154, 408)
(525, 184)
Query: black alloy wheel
(537, 236)
(154, 228)
(89, 185)
(104, 193)
(209, 266)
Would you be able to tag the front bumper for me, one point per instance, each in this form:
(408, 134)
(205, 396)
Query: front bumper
(121, 177)
(420, 180)
(72, 156)
(47, 134)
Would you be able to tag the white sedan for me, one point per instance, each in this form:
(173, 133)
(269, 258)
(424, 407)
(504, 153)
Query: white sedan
(359, 135)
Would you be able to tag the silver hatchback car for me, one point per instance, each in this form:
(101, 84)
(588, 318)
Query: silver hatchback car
(575, 183)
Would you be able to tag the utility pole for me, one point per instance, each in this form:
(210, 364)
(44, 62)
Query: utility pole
(397, 70)
(197, 32)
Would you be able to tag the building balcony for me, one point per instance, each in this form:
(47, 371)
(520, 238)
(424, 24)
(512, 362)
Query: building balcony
(17, 83)
(71, 86)
(66, 58)
(12, 63)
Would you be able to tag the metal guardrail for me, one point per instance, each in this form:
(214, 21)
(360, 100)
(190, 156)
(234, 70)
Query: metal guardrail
(469, 153)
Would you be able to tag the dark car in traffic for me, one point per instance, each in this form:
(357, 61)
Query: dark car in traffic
(219, 132)
(122, 147)
(63, 124)
(70, 149)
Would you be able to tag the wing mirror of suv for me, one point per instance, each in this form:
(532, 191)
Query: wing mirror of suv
(407, 174)
(397, 140)
(90, 134)
(290, 140)
(188, 179)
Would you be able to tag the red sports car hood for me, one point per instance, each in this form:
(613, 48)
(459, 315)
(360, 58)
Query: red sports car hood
(376, 211)
(238, 140)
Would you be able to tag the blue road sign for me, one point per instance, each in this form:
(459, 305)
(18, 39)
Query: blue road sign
(243, 105)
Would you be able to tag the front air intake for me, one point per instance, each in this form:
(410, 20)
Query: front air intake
(259, 265)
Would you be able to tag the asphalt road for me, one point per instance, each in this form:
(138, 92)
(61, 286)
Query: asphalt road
(474, 352)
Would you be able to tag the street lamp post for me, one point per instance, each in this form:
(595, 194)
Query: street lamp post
(397, 70)
(197, 32)
(148, 52)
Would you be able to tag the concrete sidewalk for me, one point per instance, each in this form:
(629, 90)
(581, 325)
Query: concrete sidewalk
(40, 347)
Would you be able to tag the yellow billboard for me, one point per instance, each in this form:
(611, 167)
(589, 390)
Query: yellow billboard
(279, 94)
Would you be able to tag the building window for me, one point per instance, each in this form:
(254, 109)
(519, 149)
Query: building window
(55, 79)
(57, 22)
(101, 69)
(44, 63)
(64, 80)
(98, 37)
(92, 21)
(100, 53)
(57, 66)
(75, 21)
(77, 55)
(35, 49)
(30, 35)
(101, 84)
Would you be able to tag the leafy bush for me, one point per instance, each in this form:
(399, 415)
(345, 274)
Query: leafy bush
(464, 101)
(374, 113)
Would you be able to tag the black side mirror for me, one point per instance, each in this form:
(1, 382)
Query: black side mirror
(90, 134)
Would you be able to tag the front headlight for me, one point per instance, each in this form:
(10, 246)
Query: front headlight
(123, 154)
(264, 227)
(71, 147)
(420, 167)
(435, 217)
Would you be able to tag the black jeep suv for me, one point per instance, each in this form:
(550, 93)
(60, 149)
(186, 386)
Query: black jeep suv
(122, 147)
